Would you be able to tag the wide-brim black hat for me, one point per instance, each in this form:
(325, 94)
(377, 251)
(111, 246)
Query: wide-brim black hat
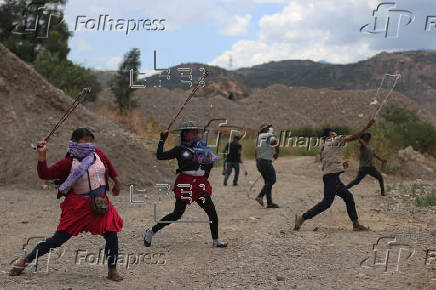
(188, 125)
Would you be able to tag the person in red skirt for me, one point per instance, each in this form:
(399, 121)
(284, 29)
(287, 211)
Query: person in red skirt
(191, 185)
(84, 173)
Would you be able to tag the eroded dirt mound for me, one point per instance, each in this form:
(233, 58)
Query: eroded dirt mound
(286, 107)
(30, 107)
(416, 165)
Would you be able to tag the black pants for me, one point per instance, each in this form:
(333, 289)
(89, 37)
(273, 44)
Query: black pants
(180, 207)
(333, 186)
(207, 168)
(229, 167)
(363, 171)
(268, 173)
(60, 237)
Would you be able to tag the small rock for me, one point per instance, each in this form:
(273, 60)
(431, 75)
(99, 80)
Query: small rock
(280, 277)
(44, 186)
(24, 222)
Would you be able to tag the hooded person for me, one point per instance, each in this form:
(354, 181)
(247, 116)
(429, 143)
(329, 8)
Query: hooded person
(84, 175)
(191, 185)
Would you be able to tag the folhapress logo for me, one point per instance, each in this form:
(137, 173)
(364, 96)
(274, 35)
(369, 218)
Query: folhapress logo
(39, 17)
(387, 19)
(107, 23)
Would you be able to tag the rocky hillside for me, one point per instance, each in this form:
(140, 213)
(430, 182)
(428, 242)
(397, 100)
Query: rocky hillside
(31, 107)
(286, 107)
(416, 68)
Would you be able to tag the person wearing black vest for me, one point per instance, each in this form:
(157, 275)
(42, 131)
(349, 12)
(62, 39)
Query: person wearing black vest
(191, 184)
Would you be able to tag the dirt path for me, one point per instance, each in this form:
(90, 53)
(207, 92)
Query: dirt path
(324, 254)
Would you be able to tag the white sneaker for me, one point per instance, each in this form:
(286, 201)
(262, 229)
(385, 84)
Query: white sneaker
(219, 244)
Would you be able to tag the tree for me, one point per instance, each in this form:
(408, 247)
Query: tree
(46, 48)
(17, 16)
(121, 83)
(64, 74)
(10, 12)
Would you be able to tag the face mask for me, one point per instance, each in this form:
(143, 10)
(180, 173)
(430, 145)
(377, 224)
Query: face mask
(270, 130)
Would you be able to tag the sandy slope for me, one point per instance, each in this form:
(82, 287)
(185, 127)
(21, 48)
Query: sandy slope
(261, 243)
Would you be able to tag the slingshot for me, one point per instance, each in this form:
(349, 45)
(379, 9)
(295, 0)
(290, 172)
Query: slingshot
(397, 77)
(80, 98)
(194, 90)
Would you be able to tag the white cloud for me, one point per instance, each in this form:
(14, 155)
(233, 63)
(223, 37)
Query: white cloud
(109, 63)
(307, 29)
(269, 1)
(250, 52)
(237, 27)
(113, 62)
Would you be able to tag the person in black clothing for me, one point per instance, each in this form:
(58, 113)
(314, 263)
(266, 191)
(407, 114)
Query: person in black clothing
(207, 168)
(366, 166)
(233, 158)
(266, 143)
(190, 184)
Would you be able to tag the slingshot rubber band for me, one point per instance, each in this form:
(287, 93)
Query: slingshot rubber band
(397, 77)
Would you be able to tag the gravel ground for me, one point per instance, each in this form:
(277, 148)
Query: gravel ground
(263, 252)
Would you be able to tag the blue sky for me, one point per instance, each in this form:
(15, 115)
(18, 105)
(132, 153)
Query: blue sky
(251, 31)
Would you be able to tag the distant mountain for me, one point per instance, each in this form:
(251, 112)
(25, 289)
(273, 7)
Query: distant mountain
(416, 67)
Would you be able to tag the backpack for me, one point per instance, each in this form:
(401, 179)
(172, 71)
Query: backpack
(201, 152)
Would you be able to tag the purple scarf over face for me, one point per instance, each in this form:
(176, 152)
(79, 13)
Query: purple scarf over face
(83, 152)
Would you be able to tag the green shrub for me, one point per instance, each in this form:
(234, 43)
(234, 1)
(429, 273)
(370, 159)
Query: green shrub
(426, 200)
(398, 115)
(64, 74)
(403, 128)
(421, 136)
(318, 132)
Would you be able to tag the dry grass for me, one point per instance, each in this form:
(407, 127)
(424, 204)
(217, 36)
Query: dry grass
(147, 131)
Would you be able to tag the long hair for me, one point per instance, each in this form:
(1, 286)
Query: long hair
(80, 133)
(182, 136)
